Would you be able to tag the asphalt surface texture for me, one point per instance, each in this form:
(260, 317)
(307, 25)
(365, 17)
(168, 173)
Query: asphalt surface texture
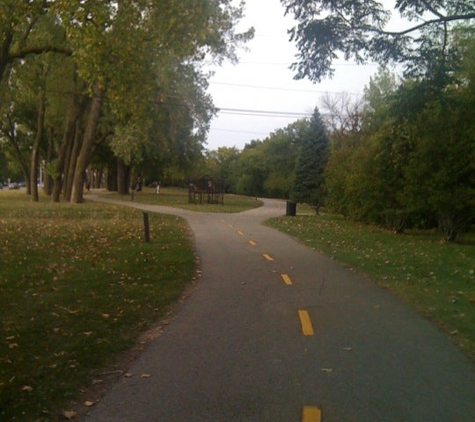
(276, 331)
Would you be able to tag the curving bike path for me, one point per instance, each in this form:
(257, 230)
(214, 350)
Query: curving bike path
(277, 332)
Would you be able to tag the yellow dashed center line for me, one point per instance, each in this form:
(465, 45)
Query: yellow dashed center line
(286, 279)
(311, 414)
(268, 257)
(307, 328)
(252, 243)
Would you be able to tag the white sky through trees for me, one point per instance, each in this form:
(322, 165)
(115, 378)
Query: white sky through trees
(259, 95)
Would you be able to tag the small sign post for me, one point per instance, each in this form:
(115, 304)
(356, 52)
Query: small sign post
(146, 226)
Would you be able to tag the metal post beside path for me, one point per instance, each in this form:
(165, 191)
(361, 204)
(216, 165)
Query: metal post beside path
(146, 227)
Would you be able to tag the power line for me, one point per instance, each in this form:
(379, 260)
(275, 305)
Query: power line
(290, 63)
(262, 113)
(273, 88)
(240, 131)
(265, 87)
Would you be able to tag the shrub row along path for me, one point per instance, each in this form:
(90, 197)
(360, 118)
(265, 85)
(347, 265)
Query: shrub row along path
(249, 346)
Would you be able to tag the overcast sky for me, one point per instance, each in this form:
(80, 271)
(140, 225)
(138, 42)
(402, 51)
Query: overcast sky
(253, 92)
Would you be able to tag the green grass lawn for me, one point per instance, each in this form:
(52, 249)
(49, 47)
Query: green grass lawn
(178, 198)
(78, 285)
(436, 278)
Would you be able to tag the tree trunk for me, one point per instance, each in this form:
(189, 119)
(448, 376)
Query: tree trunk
(70, 164)
(19, 156)
(36, 147)
(73, 147)
(47, 179)
(68, 152)
(66, 146)
(86, 147)
(123, 177)
(5, 53)
(112, 176)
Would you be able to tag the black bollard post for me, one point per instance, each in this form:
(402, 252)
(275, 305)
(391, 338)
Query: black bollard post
(146, 227)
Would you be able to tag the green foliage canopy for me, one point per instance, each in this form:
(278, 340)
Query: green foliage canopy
(361, 30)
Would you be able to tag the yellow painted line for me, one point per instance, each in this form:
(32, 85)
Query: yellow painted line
(311, 414)
(307, 328)
(252, 243)
(268, 257)
(286, 279)
(239, 232)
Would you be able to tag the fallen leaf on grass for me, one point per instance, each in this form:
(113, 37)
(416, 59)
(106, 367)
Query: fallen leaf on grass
(146, 375)
(88, 403)
(27, 388)
(329, 370)
(69, 414)
(128, 375)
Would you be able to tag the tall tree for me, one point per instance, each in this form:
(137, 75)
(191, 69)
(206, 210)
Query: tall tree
(252, 170)
(120, 43)
(137, 62)
(19, 22)
(281, 151)
(309, 173)
(440, 173)
(360, 30)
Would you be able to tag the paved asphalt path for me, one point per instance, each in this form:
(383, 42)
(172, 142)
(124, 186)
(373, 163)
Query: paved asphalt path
(236, 351)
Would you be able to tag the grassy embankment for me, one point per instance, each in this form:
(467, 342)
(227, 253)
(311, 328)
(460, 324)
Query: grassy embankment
(78, 285)
(436, 278)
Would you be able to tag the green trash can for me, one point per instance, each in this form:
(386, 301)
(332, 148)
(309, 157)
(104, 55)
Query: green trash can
(291, 209)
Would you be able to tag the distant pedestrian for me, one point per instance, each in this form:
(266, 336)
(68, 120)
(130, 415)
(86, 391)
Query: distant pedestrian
(158, 188)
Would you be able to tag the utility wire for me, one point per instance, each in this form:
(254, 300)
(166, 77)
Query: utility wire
(262, 113)
(289, 64)
(240, 131)
(273, 88)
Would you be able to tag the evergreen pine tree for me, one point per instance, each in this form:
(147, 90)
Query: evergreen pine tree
(309, 172)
